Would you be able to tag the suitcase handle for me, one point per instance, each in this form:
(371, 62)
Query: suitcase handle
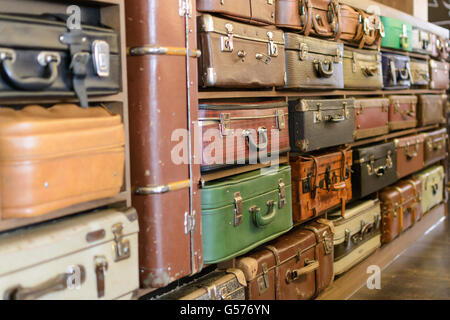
(49, 60)
(261, 221)
(370, 71)
(338, 186)
(324, 73)
(403, 73)
(262, 133)
(310, 266)
(59, 283)
(408, 152)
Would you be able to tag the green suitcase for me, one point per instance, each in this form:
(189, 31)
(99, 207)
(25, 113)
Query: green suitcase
(244, 211)
(398, 34)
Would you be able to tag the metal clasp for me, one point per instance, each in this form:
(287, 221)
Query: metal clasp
(100, 58)
(225, 123)
(237, 209)
(227, 42)
(101, 266)
(263, 281)
(272, 47)
(121, 246)
(303, 51)
(189, 222)
(281, 123)
(281, 194)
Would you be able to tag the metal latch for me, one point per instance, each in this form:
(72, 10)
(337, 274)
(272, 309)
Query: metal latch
(100, 57)
(101, 266)
(225, 124)
(217, 294)
(237, 209)
(270, 2)
(189, 222)
(121, 246)
(273, 47)
(303, 51)
(327, 243)
(263, 281)
(281, 123)
(307, 184)
(281, 194)
(227, 42)
(185, 8)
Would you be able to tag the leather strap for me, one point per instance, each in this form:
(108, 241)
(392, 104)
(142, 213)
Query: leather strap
(309, 13)
(316, 257)
(276, 269)
(337, 12)
(416, 195)
(400, 210)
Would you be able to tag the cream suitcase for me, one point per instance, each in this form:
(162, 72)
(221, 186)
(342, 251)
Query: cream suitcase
(86, 257)
(432, 187)
(357, 234)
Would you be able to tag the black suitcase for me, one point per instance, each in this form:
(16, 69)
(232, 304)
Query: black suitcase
(41, 57)
(374, 167)
(396, 71)
(316, 124)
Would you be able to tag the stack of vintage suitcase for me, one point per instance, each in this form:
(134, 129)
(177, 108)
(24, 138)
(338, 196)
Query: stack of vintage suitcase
(271, 147)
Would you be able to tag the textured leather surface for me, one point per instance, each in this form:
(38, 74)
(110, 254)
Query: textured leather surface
(410, 154)
(154, 117)
(396, 73)
(394, 29)
(368, 178)
(439, 75)
(302, 66)
(371, 117)
(430, 109)
(311, 128)
(435, 146)
(57, 157)
(224, 239)
(402, 112)
(362, 69)
(400, 208)
(320, 182)
(432, 187)
(243, 116)
(249, 64)
(280, 258)
(420, 73)
(251, 11)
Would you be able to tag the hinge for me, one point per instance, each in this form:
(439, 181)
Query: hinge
(121, 246)
(225, 123)
(281, 194)
(281, 123)
(185, 8)
(189, 222)
(237, 209)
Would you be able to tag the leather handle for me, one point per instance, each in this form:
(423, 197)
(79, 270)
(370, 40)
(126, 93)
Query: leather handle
(338, 186)
(263, 220)
(262, 132)
(48, 60)
(311, 265)
(319, 66)
(408, 152)
(321, 30)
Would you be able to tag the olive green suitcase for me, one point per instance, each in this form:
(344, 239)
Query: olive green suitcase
(244, 211)
(398, 34)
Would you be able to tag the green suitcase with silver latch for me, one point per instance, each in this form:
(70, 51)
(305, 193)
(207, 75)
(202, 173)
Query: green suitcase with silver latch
(398, 34)
(244, 211)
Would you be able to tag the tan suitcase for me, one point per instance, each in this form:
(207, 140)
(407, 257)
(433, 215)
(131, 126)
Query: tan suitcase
(432, 187)
(90, 256)
(57, 157)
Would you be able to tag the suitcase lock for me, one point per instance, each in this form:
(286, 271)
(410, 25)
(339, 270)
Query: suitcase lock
(273, 47)
(303, 51)
(237, 209)
(227, 42)
(281, 194)
(121, 246)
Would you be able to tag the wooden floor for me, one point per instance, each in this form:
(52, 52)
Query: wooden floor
(421, 272)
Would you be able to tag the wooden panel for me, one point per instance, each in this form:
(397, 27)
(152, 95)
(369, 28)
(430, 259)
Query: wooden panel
(346, 285)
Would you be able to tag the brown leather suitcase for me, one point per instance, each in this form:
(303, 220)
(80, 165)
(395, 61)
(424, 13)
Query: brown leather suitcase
(313, 63)
(310, 17)
(251, 11)
(239, 55)
(420, 73)
(362, 69)
(410, 154)
(435, 146)
(439, 75)
(242, 132)
(320, 182)
(402, 112)
(52, 158)
(400, 208)
(430, 109)
(163, 99)
(360, 28)
(371, 117)
(295, 266)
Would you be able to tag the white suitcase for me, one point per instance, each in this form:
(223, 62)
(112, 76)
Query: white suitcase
(86, 257)
(432, 187)
(357, 234)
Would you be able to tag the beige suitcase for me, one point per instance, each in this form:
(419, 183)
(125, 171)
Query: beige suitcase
(86, 257)
(432, 187)
(357, 234)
